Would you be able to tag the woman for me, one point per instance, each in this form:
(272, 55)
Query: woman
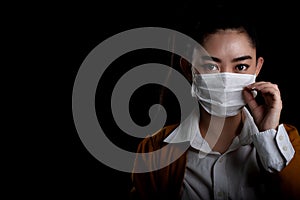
(238, 149)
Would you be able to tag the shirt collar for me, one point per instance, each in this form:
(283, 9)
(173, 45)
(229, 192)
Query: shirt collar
(188, 130)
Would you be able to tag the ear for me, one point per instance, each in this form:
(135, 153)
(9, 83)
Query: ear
(259, 64)
(186, 69)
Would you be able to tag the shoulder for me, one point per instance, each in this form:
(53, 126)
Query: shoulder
(289, 176)
(290, 127)
(292, 131)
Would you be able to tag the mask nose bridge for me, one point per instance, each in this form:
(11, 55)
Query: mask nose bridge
(225, 68)
(225, 79)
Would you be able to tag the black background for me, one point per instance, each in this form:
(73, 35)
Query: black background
(60, 36)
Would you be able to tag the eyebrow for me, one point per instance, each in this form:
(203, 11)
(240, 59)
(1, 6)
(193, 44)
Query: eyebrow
(233, 60)
(241, 58)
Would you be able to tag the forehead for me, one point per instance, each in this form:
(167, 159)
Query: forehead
(228, 41)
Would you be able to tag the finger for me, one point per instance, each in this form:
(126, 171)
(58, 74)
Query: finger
(272, 97)
(270, 91)
(255, 85)
(266, 88)
(260, 85)
(249, 99)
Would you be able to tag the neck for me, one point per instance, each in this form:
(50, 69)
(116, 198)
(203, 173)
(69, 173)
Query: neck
(219, 131)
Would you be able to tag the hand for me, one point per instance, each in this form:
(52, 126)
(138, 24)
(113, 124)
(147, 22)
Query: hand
(266, 116)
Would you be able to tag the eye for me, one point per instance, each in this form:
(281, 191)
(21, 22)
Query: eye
(210, 67)
(241, 67)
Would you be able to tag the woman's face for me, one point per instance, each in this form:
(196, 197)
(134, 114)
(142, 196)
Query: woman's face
(229, 51)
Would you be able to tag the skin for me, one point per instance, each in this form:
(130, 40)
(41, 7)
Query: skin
(231, 51)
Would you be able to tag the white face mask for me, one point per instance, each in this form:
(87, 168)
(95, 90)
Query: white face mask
(220, 94)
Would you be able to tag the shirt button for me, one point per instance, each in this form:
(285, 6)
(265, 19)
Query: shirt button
(280, 137)
(221, 160)
(284, 148)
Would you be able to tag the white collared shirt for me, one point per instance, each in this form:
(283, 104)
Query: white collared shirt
(235, 174)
